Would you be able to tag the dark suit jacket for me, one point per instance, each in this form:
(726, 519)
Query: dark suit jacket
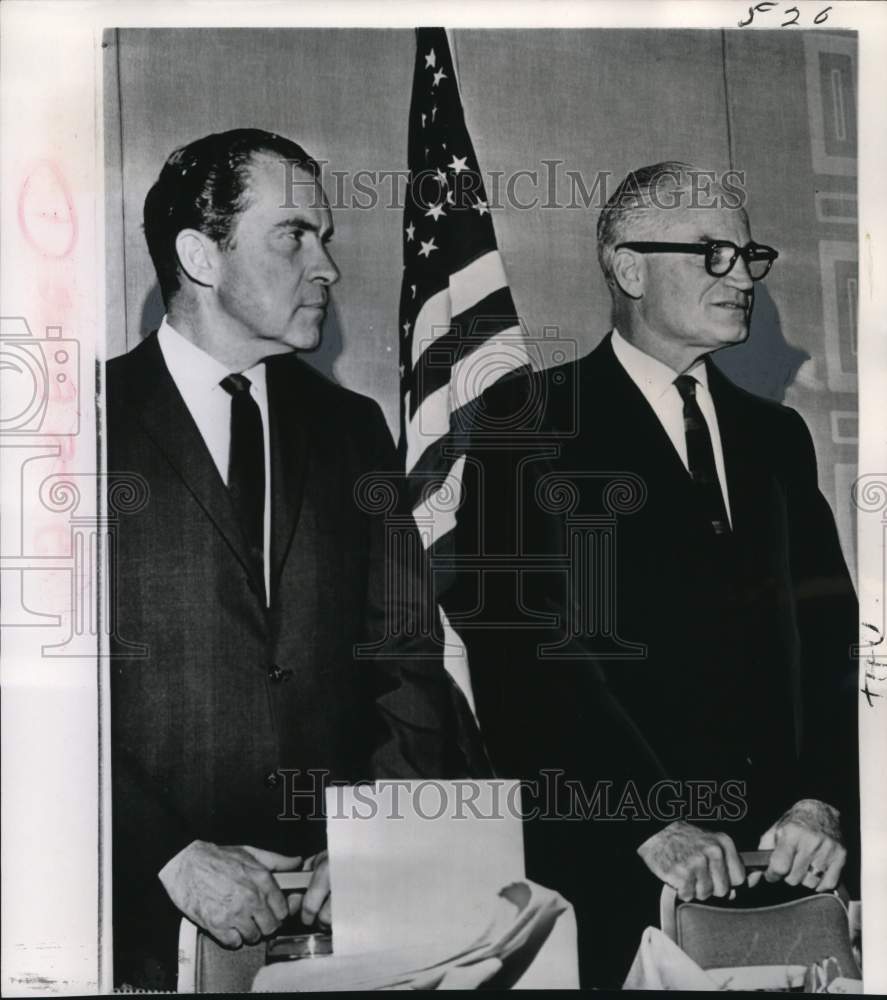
(227, 693)
(697, 659)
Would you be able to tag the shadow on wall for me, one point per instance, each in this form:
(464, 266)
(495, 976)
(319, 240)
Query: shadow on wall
(766, 364)
(323, 358)
(153, 311)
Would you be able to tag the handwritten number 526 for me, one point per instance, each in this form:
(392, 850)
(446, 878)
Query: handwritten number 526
(767, 5)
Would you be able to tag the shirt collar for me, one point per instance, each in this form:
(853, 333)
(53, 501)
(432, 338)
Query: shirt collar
(653, 377)
(193, 369)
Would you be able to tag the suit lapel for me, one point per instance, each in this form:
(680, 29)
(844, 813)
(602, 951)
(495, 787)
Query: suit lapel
(168, 422)
(629, 422)
(289, 416)
(747, 488)
(639, 441)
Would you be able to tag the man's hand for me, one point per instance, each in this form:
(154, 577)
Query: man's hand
(694, 862)
(807, 847)
(229, 891)
(316, 904)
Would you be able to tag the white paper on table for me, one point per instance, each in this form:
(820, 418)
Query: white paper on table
(416, 863)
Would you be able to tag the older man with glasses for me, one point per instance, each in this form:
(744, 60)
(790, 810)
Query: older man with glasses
(701, 668)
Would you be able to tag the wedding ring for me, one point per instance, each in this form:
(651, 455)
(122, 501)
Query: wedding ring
(815, 872)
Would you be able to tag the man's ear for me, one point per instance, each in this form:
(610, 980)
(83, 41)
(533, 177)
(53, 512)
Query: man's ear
(197, 255)
(629, 272)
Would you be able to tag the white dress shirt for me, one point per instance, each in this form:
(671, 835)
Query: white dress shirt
(656, 381)
(198, 376)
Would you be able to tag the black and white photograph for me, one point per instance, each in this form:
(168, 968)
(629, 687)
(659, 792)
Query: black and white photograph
(446, 531)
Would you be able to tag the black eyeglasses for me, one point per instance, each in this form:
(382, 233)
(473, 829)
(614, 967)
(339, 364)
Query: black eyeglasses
(720, 255)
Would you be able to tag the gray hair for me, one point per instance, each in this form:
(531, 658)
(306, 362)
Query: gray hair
(633, 210)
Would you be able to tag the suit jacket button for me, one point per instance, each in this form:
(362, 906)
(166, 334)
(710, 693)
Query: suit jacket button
(278, 676)
(272, 779)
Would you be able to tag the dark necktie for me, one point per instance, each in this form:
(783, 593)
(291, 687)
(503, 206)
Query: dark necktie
(701, 456)
(246, 465)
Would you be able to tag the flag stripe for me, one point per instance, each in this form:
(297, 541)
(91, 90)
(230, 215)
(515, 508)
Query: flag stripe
(466, 334)
(467, 287)
(474, 282)
(430, 422)
(435, 513)
(432, 323)
(470, 377)
(474, 374)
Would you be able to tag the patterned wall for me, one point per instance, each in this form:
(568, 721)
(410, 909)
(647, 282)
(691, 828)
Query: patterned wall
(831, 101)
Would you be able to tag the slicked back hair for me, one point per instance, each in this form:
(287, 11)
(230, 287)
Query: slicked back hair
(204, 186)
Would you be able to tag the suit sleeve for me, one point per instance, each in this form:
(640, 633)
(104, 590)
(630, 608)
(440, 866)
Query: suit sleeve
(423, 728)
(537, 715)
(827, 621)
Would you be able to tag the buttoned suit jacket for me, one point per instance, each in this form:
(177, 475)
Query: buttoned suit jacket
(227, 716)
(682, 657)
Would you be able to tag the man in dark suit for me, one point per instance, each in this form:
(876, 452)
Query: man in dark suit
(257, 578)
(691, 691)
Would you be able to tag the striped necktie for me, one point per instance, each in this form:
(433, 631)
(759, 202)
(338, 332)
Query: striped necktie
(701, 456)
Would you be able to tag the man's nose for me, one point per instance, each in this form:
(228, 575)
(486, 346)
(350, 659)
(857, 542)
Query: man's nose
(323, 267)
(739, 275)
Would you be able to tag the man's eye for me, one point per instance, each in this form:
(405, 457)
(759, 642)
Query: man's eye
(295, 235)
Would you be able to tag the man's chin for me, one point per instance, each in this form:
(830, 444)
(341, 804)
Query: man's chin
(716, 340)
(734, 333)
(305, 339)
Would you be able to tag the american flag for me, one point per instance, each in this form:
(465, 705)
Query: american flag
(459, 328)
